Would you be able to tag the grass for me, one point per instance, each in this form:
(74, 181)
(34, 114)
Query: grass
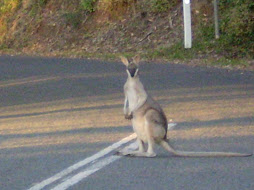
(185, 57)
(73, 18)
(88, 5)
(202, 52)
(36, 6)
(7, 8)
(176, 51)
(225, 62)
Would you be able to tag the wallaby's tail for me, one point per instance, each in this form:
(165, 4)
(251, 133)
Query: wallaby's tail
(166, 145)
(211, 154)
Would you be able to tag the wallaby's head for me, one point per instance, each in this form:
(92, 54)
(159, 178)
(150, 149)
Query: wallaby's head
(131, 66)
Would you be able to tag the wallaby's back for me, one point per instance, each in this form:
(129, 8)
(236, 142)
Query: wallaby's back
(159, 119)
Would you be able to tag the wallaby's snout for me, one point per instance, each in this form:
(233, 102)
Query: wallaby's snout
(132, 69)
(132, 72)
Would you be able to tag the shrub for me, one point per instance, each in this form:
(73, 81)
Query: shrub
(73, 18)
(237, 25)
(37, 5)
(236, 28)
(7, 7)
(114, 9)
(88, 5)
(158, 6)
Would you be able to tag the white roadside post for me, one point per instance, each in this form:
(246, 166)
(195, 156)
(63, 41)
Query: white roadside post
(216, 19)
(187, 24)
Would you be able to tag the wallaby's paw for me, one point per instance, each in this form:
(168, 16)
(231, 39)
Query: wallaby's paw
(151, 155)
(128, 116)
(136, 154)
(118, 153)
(122, 153)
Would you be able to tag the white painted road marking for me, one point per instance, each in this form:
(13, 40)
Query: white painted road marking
(90, 170)
(171, 126)
(82, 163)
(96, 164)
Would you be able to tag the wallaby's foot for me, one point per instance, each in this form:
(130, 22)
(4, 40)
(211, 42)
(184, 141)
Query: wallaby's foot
(136, 154)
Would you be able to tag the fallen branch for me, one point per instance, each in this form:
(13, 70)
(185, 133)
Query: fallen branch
(147, 35)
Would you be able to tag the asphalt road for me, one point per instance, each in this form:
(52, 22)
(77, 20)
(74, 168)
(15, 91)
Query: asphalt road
(55, 113)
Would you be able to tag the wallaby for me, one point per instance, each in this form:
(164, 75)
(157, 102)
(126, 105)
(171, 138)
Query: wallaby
(148, 119)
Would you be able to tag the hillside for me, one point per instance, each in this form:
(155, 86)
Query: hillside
(107, 28)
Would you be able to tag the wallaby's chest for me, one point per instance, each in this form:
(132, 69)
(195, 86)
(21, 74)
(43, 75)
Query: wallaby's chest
(132, 97)
(133, 90)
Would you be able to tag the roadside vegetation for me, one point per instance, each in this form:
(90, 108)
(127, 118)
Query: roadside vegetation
(108, 28)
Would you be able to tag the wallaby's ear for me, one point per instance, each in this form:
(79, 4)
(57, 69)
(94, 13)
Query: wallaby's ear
(136, 59)
(124, 60)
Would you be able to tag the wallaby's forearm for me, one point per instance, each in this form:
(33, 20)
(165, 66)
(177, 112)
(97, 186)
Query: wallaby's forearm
(125, 109)
(140, 103)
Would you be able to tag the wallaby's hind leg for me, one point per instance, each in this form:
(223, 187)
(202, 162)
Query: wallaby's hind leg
(150, 140)
(153, 130)
(150, 151)
(141, 147)
(141, 150)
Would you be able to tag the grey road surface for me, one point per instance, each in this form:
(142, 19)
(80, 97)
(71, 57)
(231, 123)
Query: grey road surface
(55, 112)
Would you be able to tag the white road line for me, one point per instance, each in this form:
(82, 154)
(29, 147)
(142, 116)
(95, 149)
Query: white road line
(82, 163)
(96, 166)
(78, 177)
(171, 126)
(90, 170)
(68, 182)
